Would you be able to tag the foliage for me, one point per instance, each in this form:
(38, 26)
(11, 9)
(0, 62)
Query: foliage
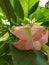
(20, 12)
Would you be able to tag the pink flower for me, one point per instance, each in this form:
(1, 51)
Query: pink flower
(32, 36)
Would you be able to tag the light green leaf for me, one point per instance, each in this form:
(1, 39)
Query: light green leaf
(41, 15)
(27, 5)
(6, 36)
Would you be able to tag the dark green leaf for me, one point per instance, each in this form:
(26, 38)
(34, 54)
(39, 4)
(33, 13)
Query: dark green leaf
(6, 60)
(28, 57)
(4, 48)
(8, 10)
(45, 23)
(18, 9)
(33, 9)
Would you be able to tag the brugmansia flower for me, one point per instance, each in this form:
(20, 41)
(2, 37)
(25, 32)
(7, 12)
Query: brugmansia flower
(32, 36)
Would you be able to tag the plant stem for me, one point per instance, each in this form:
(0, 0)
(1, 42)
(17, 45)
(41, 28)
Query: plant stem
(45, 50)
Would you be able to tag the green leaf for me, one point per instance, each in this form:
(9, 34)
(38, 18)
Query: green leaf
(4, 48)
(45, 23)
(28, 57)
(33, 9)
(6, 36)
(41, 15)
(27, 6)
(18, 9)
(6, 60)
(8, 10)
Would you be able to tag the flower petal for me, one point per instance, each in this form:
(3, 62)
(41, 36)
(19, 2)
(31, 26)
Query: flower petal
(44, 38)
(19, 32)
(37, 32)
(22, 45)
(37, 45)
